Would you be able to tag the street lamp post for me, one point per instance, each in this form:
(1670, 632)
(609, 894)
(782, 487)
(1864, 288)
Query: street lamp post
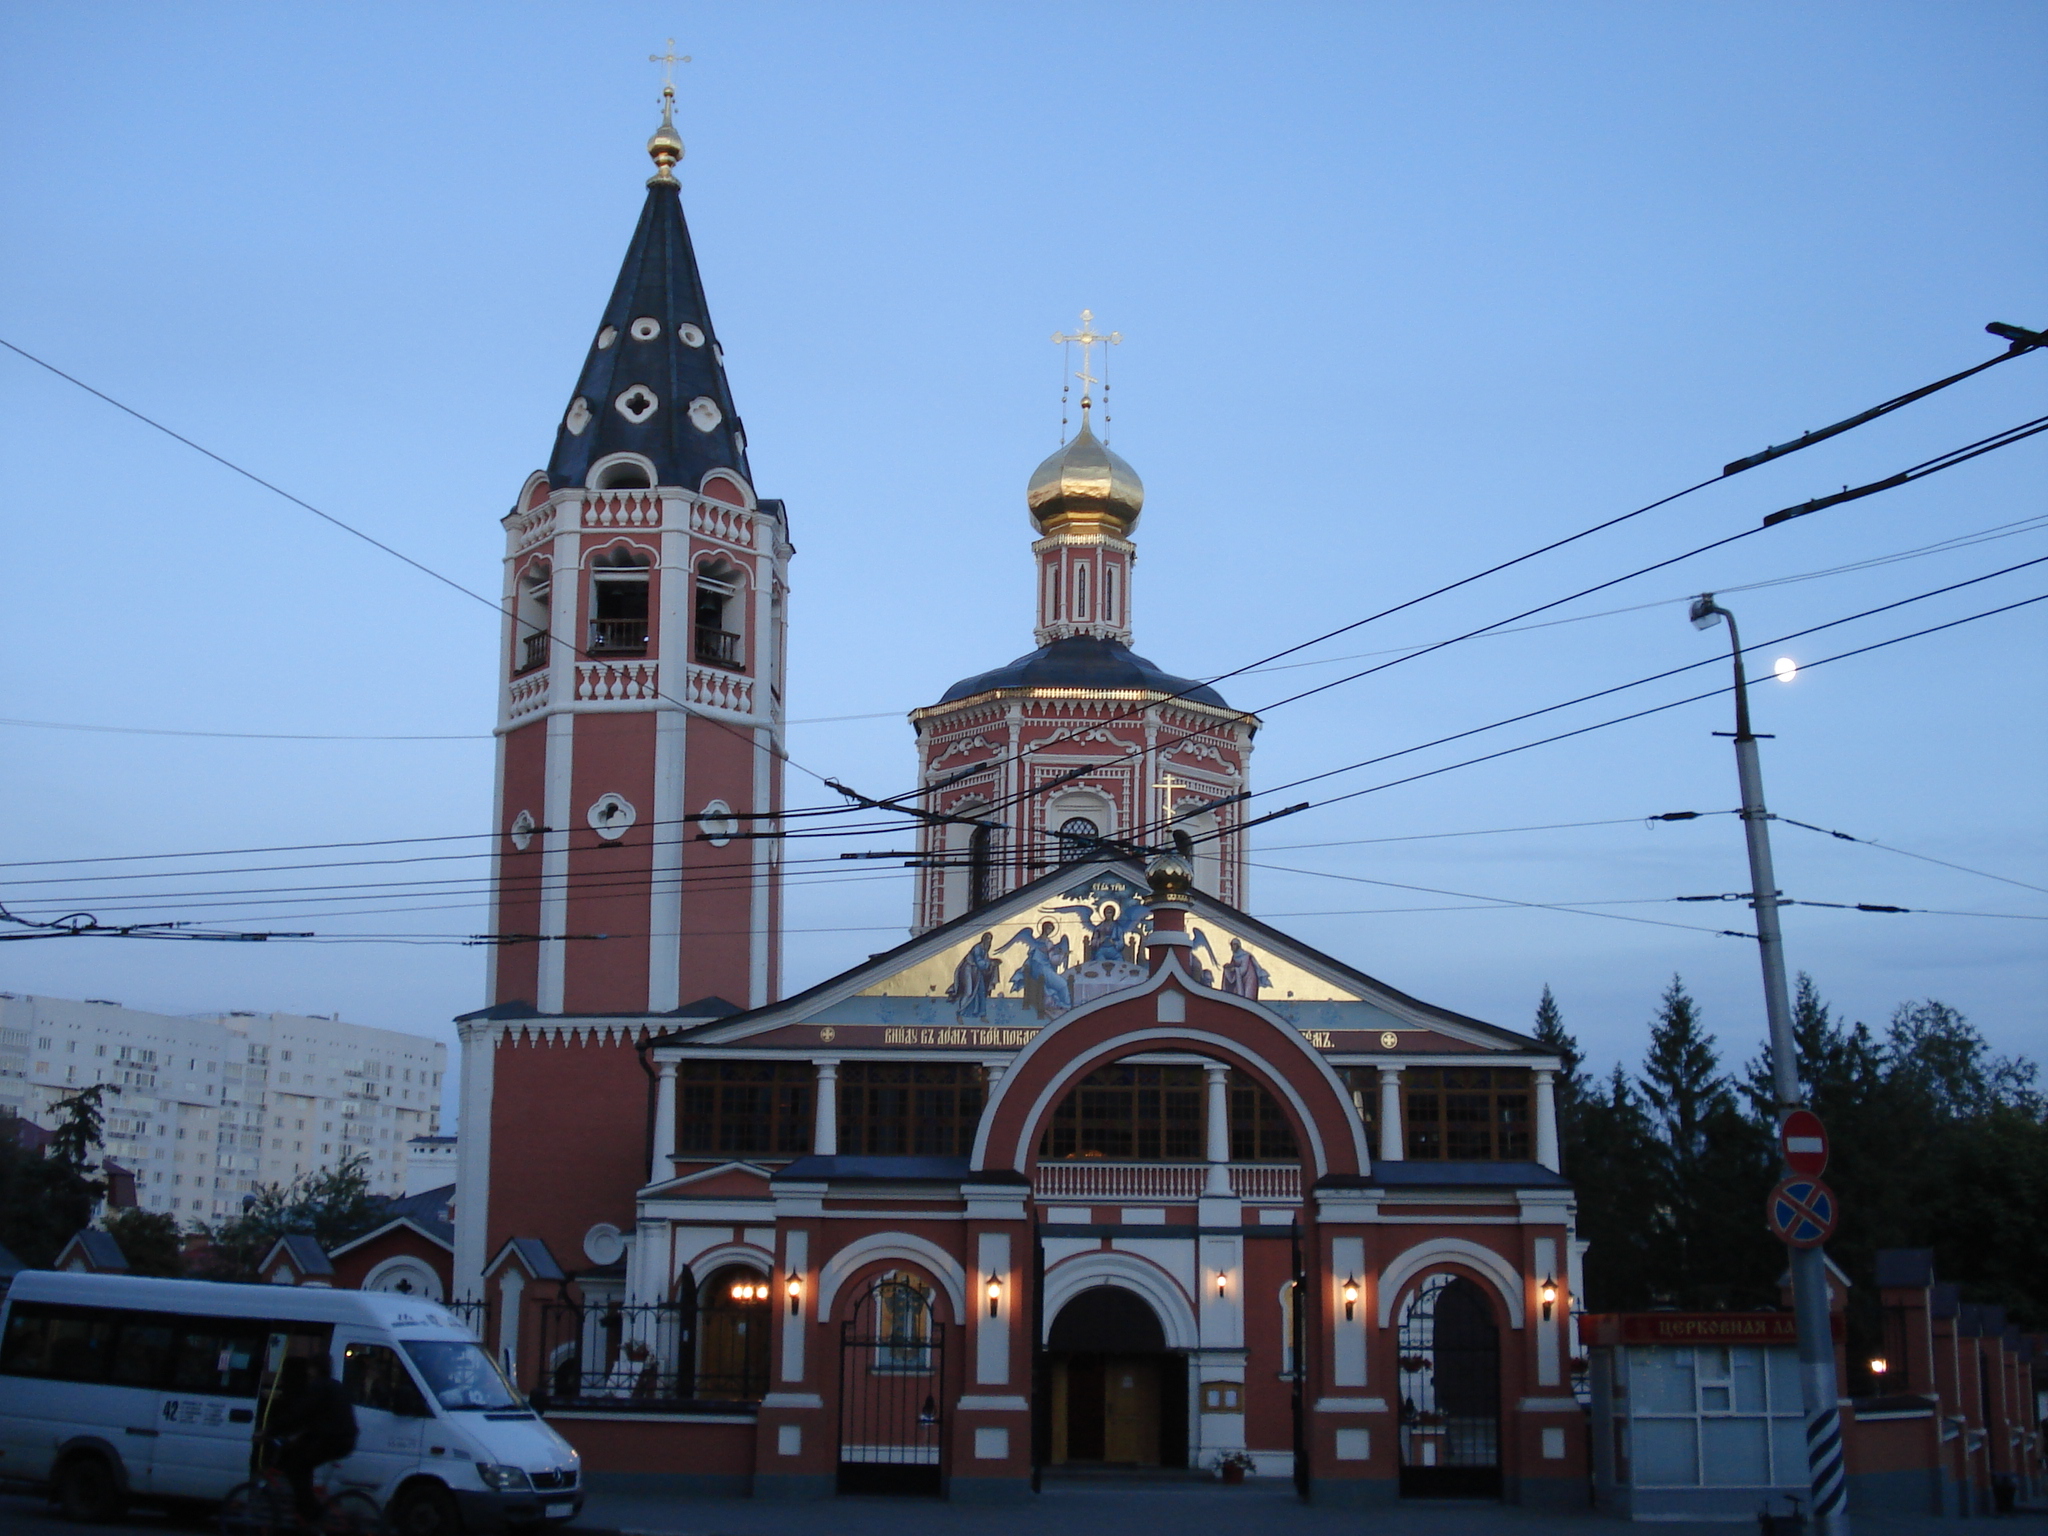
(1809, 1265)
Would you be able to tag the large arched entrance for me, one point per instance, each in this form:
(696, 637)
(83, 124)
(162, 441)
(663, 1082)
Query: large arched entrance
(1450, 1391)
(1119, 1396)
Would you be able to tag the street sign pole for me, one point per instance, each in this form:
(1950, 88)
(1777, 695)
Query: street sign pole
(1809, 1265)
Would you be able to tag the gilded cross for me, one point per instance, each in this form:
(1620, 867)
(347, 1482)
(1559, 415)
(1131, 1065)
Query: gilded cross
(1087, 336)
(668, 62)
(1166, 787)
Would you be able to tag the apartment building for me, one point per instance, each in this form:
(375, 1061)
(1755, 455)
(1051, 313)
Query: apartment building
(206, 1107)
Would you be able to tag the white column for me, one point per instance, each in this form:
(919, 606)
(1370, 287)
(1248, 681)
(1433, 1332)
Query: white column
(660, 1169)
(1219, 1128)
(1546, 1119)
(1391, 1148)
(825, 1113)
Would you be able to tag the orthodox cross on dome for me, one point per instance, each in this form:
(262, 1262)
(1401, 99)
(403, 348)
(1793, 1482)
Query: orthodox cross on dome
(1087, 336)
(1167, 786)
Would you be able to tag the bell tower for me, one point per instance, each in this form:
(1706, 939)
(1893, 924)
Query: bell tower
(640, 734)
(641, 705)
(1082, 740)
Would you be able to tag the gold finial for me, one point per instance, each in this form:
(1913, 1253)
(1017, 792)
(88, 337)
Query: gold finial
(1087, 336)
(666, 146)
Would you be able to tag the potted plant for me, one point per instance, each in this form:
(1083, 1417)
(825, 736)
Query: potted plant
(1231, 1466)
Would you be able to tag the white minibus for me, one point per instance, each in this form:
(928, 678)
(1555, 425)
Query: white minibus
(116, 1389)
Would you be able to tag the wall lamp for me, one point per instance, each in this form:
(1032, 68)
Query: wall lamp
(1222, 1282)
(1879, 1366)
(793, 1287)
(995, 1293)
(750, 1292)
(1350, 1298)
(1547, 1294)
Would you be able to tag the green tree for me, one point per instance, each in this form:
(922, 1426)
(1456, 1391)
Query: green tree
(333, 1204)
(149, 1241)
(1611, 1150)
(1572, 1082)
(47, 1195)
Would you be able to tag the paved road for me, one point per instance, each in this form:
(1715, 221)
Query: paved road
(1145, 1510)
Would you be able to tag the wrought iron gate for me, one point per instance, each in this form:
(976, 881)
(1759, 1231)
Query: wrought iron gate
(892, 1358)
(1297, 1357)
(1450, 1392)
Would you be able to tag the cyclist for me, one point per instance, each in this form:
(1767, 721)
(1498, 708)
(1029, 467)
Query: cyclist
(312, 1423)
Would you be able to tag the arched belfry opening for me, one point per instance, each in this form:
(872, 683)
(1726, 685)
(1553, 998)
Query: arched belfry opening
(1119, 1395)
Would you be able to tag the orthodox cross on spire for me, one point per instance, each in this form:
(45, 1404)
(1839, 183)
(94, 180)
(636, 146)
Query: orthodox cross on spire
(1087, 336)
(1168, 786)
(665, 148)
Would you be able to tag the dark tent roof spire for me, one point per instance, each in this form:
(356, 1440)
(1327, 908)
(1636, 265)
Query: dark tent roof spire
(653, 383)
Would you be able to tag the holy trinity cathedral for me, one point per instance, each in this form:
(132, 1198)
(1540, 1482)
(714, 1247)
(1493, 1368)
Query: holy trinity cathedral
(1094, 1170)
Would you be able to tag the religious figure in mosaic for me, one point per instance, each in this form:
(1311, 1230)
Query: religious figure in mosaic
(1041, 979)
(974, 978)
(1242, 972)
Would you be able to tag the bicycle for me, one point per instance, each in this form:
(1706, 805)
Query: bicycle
(266, 1506)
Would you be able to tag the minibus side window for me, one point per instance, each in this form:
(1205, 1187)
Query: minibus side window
(65, 1343)
(143, 1356)
(221, 1356)
(377, 1378)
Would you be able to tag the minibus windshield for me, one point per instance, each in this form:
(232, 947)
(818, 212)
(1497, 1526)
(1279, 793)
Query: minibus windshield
(460, 1375)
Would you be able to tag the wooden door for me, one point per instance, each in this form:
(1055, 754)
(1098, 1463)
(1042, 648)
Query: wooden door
(1130, 1410)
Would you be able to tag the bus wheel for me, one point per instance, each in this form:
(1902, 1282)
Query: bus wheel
(424, 1509)
(88, 1492)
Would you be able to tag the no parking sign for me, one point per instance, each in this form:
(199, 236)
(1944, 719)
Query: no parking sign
(1802, 1211)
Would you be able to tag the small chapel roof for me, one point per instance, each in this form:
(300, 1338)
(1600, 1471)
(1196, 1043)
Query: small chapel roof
(1083, 661)
(653, 382)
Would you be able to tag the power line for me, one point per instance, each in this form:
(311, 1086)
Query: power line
(496, 606)
(1870, 842)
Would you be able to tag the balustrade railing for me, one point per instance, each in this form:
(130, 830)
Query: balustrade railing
(718, 647)
(619, 637)
(1092, 1179)
(534, 652)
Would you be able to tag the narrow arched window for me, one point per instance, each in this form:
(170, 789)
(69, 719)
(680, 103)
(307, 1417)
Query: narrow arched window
(1110, 595)
(624, 476)
(718, 611)
(1080, 594)
(1078, 836)
(619, 603)
(536, 589)
(1052, 594)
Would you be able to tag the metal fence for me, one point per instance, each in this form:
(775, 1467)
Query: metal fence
(652, 1355)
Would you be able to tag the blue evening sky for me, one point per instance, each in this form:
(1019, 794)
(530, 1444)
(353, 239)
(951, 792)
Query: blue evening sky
(1406, 289)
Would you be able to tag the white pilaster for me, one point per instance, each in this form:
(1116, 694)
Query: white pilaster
(1546, 1118)
(1218, 1084)
(992, 1334)
(762, 849)
(477, 1042)
(554, 861)
(665, 900)
(1347, 1335)
(1548, 1370)
(660, 1168)
(796, 1247)
(1391, 1148)
(825, 1112)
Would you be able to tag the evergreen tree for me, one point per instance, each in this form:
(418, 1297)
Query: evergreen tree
(1572, 1084)
(1611, 1152)
(47, 1196)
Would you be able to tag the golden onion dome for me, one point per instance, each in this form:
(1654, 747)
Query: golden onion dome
(1084, 488)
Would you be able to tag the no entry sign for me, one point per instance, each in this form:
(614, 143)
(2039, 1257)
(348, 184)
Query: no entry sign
(1802, 1212)
(1803, 1142)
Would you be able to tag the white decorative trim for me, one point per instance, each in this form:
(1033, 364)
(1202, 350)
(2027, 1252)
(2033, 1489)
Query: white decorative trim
(971, 1403)
(1566, 1405)
(792, 1400)
(406, 1263)
(1451, 1250)
(522, 830)
(636, 402)
(716, 688)
(531, 528)
(526, 695)
(1351, 1405)
(892, 1245)
(1069, 1277)
(725, 1255)
(727, 525)
(611, 815)
(637, 508)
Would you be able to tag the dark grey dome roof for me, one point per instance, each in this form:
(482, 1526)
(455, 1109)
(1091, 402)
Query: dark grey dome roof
(1082, 661)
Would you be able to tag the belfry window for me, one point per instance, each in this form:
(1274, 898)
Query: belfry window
(536, 588)
(1468, 1114)
(718, 609)
(619, 603)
